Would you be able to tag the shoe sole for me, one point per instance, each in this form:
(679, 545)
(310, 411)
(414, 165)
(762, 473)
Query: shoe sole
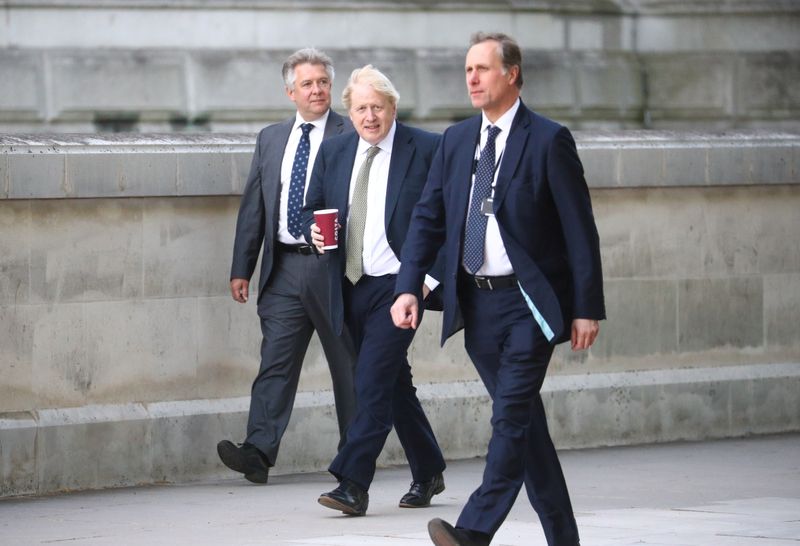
(435, 492)
(439, 535)
(333, 504)
(257, 477)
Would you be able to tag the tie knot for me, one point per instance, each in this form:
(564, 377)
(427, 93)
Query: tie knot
(372, 151)
(306, 127)
(494, 130)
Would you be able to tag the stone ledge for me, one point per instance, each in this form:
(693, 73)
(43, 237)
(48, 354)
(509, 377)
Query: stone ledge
(108, 446)
(565, 6)
(155, 165)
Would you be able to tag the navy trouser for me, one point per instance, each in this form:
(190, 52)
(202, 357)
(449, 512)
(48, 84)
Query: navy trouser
(511, 355)
(385, 394)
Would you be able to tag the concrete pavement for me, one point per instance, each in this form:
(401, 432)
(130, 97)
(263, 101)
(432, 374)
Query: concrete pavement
(722, 493)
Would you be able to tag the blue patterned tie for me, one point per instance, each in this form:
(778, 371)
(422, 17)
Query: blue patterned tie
(298, 182)
(475, 237)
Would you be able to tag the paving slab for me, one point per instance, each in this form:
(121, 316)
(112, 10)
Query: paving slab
(722, 493)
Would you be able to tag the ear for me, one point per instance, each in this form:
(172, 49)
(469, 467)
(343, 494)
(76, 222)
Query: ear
(290, 93)
(513, 74)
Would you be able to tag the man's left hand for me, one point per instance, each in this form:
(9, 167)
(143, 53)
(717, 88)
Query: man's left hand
(584, 332)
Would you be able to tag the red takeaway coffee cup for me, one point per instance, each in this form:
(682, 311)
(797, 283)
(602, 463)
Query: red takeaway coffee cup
(326, 222)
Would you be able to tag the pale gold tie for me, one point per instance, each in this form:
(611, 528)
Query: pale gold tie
(354, 268)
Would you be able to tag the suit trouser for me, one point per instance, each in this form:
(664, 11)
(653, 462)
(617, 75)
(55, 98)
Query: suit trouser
(293, 305)
(385, 393)
(511, 355)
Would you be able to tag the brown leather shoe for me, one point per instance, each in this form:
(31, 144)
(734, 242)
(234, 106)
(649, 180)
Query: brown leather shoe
(421, 493)
(444, 534)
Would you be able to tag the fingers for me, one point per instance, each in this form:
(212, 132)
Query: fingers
(584, 333)
(317, 239)
(240, 289)
(404, 311)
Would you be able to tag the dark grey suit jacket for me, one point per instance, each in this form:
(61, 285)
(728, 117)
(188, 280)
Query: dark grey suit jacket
(257, 223)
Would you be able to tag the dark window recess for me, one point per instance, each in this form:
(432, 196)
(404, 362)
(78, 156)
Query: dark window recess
(115, 122)
(183, 123)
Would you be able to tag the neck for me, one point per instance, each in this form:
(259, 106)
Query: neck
(307, 120)
(496, 112)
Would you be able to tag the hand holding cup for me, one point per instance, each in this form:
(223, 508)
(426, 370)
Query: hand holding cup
(325, 232)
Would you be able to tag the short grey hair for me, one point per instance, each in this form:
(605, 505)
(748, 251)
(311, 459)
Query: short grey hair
(507, 49)
(307, 55)
(374, 78)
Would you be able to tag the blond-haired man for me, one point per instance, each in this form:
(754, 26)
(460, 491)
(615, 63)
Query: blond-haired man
(374, 178)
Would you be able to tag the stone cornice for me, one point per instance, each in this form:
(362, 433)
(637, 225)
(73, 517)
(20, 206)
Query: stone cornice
(150, 165)
(625, 7)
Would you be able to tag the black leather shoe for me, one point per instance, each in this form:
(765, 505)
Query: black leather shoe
(348, 498)
(246, 459)
(421, 493)
(444, 534)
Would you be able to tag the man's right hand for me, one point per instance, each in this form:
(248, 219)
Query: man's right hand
(405, 311)
(317, 238)
(240, 289)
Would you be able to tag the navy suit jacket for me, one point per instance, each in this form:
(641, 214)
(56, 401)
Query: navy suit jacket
(257, 223)
(544, 213)
(412, 152)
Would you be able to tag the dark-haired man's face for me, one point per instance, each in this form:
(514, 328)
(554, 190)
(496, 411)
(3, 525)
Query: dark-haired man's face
(311, 91)
(489, 88)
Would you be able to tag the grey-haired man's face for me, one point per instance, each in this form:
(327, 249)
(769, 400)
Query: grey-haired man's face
(311, 91)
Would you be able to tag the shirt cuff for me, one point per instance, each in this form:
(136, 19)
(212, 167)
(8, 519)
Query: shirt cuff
(431, 283)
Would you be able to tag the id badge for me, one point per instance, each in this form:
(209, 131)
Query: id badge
(486, 206)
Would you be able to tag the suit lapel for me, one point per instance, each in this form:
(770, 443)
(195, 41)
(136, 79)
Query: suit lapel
(515, 145)
(334, 126)
(402, 152)
(342, 177)
(271, 167)
(464, 159)
(277, 146)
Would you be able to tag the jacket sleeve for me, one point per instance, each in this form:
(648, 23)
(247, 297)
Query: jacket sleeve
(426, 234)
(573, 203)
(250, 223)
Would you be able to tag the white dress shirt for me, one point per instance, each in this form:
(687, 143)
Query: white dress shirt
(495, 260)
(314, 140)
(378, 257)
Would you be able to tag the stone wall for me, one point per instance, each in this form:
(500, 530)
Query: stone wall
(124, 360)
(214, 65)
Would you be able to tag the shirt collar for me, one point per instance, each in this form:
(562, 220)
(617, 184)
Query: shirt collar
(318, 123)
(385, 144)
(503, 122)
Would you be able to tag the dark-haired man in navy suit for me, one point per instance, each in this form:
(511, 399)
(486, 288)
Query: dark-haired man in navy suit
(507, 198)
(374, 178)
